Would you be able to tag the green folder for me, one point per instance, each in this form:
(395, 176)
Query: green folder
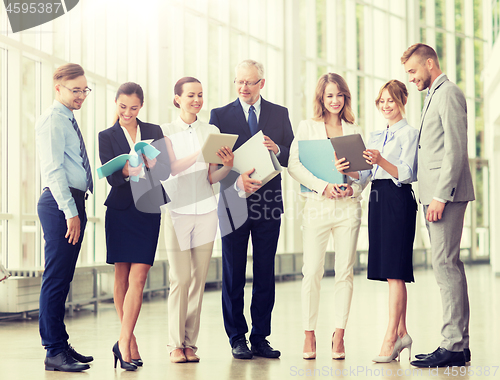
(318, 157)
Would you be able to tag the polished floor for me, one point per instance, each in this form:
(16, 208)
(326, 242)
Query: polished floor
(21, 356)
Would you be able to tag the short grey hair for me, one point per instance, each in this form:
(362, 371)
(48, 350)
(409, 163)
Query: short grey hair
(247, 63)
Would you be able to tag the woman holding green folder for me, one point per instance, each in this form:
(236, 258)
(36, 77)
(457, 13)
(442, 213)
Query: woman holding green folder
(330, 208)
(133, 214)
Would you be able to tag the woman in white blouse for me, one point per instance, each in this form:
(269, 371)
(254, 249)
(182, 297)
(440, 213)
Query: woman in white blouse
(392, 211)
(193, 215)
(329, 209)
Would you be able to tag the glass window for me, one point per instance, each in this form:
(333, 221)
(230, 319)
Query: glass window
(460, 62)
(28, 146)
(441, 14)
(212, 92)
(441, 49)
(360, 117)
(479, 125)
(478, 67)
(459, 16)
(192, 29)
(321, 21)
(360, 34)
(381, 47)
(340, 32)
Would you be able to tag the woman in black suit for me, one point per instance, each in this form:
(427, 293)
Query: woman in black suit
(133, 214)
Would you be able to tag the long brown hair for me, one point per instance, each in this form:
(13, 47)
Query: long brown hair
(320, 110)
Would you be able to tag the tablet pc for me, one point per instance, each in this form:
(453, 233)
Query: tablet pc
(213, 143)
(351, 147)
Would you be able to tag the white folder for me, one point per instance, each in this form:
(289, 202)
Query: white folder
(254, 154)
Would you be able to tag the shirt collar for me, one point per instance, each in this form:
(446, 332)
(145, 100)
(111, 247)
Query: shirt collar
(64, 110)
(185, 126)
(400, 124)
(256, 105)
(434, 84)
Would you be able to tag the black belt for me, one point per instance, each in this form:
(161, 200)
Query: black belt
(75, 192)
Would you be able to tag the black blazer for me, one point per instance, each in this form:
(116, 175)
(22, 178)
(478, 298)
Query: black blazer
(148, 193)
(274, 123)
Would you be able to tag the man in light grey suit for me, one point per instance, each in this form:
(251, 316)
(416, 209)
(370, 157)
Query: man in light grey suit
(445, 188)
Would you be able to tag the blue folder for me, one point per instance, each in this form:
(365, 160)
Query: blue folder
(318, 157)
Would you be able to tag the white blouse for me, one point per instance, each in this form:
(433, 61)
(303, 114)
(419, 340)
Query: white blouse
(190, 191)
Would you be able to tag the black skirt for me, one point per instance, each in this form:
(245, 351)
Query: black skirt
(392, 213)
(131, 235)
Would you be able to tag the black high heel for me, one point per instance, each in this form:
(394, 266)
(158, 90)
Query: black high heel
(118, 356)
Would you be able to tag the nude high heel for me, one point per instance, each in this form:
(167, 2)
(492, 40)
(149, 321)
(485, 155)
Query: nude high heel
(312, 354)
(337, 355)
(406, 342)
(395, 354)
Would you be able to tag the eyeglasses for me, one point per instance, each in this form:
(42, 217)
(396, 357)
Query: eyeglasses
(244, 82)
(78, 93)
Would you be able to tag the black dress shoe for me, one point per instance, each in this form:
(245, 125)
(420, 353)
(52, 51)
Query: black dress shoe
(240, 349)
(64, 362)
(425, 356)
(264, 349)
(442, 358)
(79, 357)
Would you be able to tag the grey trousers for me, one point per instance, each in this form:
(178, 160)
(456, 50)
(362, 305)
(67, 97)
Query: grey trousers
(445, 236)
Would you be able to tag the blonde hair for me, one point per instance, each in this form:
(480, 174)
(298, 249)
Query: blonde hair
(320, 110)
(398, 92)
(423, 51)
(67, 71)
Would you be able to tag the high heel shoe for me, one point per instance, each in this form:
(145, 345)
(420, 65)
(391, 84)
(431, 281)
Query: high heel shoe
(123, 364)
(406, 342)
(395, 353)
(337, 355)
(310, 355)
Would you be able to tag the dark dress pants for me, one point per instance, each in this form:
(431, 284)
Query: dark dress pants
(60, 262)
(264, 231)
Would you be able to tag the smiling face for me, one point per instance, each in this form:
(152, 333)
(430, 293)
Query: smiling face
(246, 93)
(333, 99)
(64, 92)
(191, 99)
(389, 108)
(418, 72)
(127, 108)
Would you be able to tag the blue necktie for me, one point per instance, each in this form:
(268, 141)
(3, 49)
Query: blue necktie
(252, 121)
(85, 158)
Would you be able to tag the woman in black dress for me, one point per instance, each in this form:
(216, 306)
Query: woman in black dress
(392, 211)
(133, 214)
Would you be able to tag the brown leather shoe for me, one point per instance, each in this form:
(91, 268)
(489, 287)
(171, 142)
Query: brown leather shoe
(177, 356)
(190, 355)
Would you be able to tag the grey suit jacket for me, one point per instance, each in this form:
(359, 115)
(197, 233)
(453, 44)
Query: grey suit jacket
(443, 163)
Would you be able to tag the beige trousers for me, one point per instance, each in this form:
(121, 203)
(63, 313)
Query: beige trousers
(187, 274)
(321, 218)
